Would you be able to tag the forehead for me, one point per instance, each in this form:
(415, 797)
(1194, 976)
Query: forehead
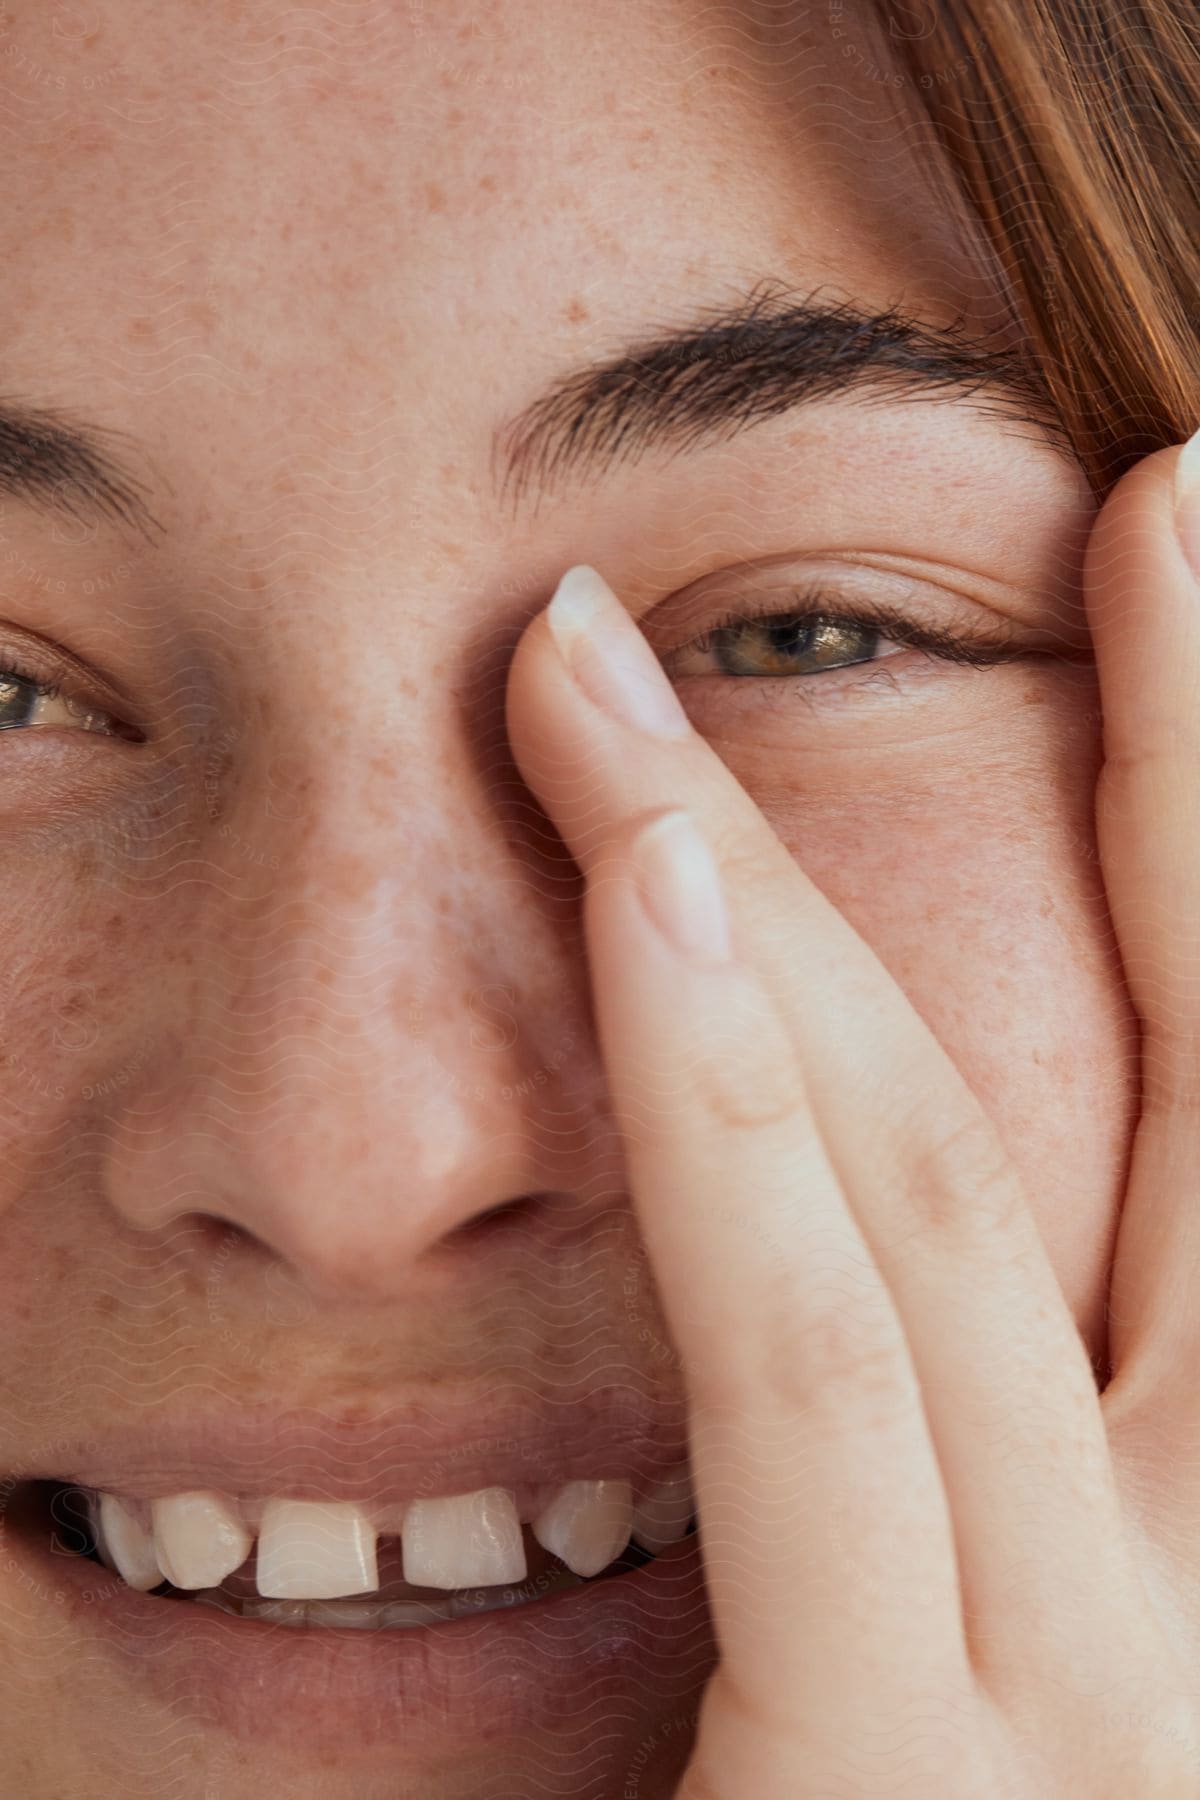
(233, 221)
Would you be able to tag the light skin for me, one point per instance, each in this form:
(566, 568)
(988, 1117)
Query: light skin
(321, 933)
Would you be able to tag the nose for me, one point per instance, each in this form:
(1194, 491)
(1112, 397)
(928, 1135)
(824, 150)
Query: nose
(366, 1029)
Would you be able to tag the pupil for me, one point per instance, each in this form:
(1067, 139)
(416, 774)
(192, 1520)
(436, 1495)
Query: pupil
(772, 645)
(17, 701)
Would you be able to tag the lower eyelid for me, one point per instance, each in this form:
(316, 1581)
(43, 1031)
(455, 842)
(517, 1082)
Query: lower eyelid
(907, 676)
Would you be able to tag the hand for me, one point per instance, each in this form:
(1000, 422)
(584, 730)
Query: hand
(938, 1562)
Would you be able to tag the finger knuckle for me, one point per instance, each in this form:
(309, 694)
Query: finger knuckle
(961, 1174)
(1170, 742)
(749, 1077)
(845, 1358)
(738, 1102)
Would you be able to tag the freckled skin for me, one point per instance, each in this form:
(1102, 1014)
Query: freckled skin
(316, 945)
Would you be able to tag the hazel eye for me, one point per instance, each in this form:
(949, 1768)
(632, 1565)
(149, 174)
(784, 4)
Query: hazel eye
(26, 703)
(790, 643)
(819, 634)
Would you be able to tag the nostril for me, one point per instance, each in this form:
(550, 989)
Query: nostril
(498, 1220)
(484, 1224)
(221, 1236)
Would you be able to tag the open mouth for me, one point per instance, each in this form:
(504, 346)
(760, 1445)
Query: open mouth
(341, 1565)
(329, 1596)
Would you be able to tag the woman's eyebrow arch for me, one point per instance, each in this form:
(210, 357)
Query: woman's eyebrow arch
(762, 356)
(53, 459)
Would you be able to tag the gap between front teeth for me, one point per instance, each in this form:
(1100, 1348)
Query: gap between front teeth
(326, 1550)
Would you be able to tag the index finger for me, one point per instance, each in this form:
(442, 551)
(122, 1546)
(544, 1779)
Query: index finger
(802, 1105)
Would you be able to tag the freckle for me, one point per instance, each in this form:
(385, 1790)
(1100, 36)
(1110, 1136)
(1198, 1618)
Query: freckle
(435, 199)
(577, 311)
(487, 184)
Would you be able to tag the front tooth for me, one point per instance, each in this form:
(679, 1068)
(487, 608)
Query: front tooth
(465, 1540)
(125, 1545)
(662, 1516)
(198, 1539)
(587, 1524)
(315, 1550)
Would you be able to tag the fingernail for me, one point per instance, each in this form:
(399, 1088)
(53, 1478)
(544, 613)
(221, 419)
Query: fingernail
(681, 887)
(609, 657)
(1187, 501)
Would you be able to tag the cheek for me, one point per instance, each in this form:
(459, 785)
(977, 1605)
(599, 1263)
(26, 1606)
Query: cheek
(75, 951)
(989, 912)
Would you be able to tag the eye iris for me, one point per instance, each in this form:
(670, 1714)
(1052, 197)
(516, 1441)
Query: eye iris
(25, 703)
(18, 701)
(777, 644)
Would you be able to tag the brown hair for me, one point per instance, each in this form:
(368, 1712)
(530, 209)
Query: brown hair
(1073, 130)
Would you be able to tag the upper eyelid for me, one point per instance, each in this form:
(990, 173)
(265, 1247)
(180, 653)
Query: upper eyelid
(896, 627)
(967, 634)
(984, 602)
(47, 664)
(838, 580)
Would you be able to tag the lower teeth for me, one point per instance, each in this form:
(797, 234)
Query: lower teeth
(388, 1615)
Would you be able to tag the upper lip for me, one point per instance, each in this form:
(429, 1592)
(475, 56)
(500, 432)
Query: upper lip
(411, 1449)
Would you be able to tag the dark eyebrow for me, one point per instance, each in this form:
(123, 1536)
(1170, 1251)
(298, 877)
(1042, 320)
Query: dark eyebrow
(761, 357)
(56, 460)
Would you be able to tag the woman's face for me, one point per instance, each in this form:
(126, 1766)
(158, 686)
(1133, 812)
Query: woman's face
(293, 991)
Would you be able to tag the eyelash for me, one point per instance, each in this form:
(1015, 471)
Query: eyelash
(13, 669)
(982, 648)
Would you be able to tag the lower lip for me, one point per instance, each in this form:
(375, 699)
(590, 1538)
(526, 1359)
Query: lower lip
(605, 1646)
